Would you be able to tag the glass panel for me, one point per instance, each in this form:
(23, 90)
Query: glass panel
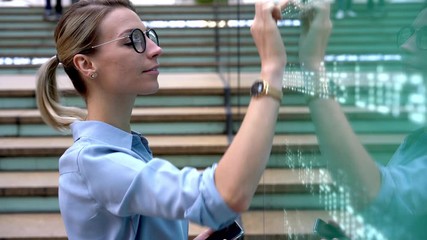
(367, 174)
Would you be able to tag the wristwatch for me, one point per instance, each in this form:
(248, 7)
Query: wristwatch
(262, 88)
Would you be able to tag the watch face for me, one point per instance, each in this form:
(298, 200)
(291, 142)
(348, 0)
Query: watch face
(257, 88)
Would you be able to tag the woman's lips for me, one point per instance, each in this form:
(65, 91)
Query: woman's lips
(152, 70)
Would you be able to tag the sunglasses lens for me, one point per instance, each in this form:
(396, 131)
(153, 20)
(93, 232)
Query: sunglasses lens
(138, 40)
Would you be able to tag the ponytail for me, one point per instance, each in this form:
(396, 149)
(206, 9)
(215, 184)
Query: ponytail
(47, 94)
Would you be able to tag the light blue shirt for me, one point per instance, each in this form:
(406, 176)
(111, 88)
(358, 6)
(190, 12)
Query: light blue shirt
(400, 210)
(110, 187)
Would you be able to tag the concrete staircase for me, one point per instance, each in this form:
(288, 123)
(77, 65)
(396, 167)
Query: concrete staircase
(191, 120)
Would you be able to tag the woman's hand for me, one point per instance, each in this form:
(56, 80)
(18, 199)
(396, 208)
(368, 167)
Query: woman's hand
(268, 40)
(204, 235)
(316, 29)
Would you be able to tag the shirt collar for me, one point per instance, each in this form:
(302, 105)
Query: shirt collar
(102, 132)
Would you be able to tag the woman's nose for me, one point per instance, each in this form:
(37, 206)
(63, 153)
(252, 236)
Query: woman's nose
(153, 50)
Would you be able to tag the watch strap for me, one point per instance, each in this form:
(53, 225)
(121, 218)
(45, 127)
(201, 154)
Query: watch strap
(273, 92)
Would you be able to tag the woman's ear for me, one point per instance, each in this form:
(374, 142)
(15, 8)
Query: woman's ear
(84, 65)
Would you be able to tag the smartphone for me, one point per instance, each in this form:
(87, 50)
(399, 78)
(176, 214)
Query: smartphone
(327, 230)
(231, 232)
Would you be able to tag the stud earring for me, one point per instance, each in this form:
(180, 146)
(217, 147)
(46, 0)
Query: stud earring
(93, 75)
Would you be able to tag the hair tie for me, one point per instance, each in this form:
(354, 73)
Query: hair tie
(57, 59)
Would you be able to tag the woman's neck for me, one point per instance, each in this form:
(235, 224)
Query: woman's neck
(114, 111)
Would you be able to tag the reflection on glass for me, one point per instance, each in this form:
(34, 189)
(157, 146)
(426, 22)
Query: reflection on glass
(296, 9)
(375, 176)
(407, 32)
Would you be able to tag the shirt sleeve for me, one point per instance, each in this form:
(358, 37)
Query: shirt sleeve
(403, 188)
(125, 185)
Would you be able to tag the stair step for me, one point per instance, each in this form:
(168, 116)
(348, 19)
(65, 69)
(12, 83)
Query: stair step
(209, 83)
(181, 83)
(277, 160)
(161, 114)
(17, 91)
(197, 114)
(188, 144)
(209, 120)
(279, 224)
(261, 201)
(45, 183)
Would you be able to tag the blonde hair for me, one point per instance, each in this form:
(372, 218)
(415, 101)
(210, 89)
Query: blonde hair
(75, 33)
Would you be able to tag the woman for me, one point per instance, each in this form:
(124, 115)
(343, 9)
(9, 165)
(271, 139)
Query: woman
(110, 186)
